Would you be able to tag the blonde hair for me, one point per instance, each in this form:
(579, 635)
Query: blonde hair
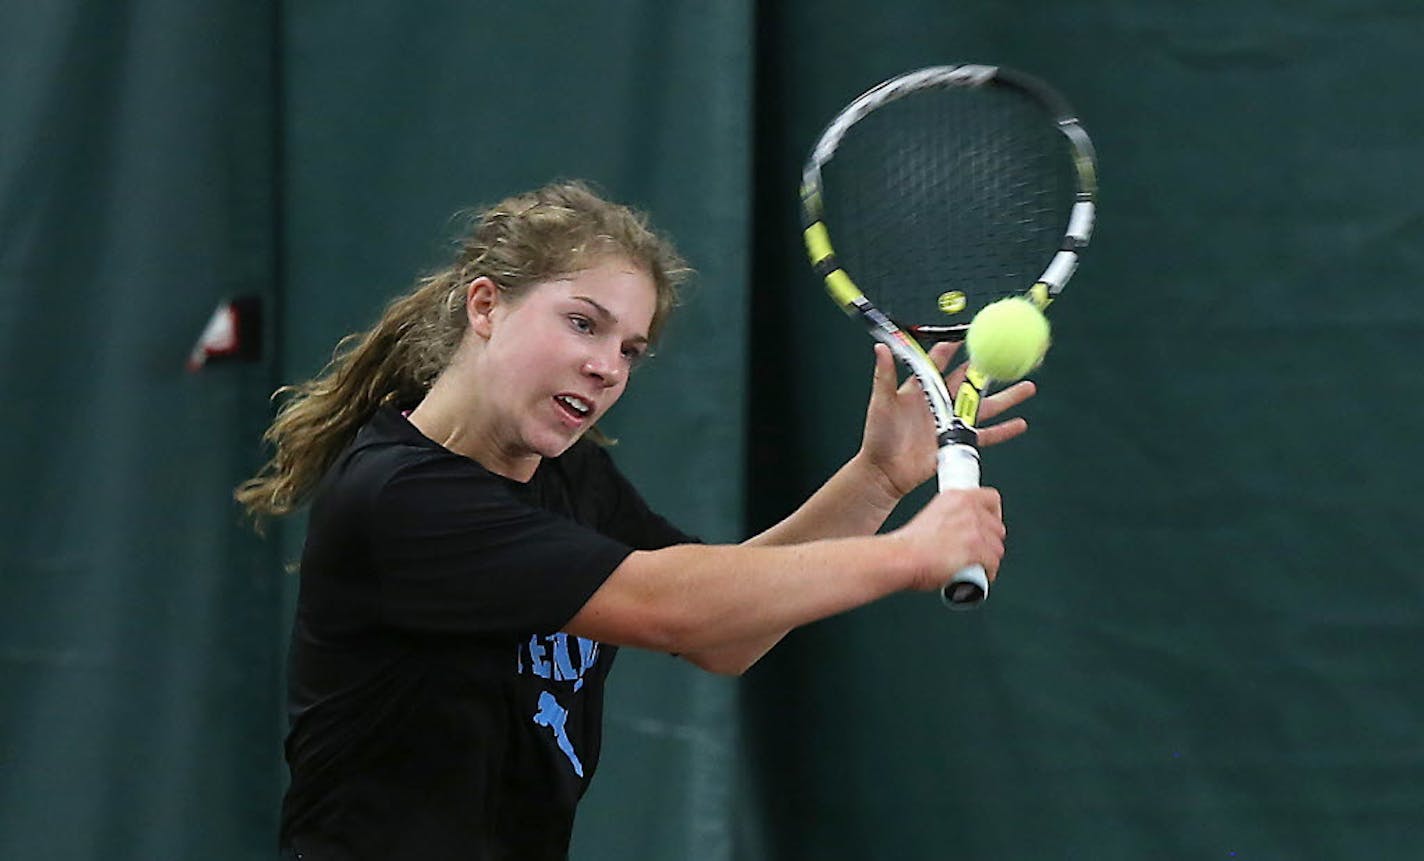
(523, 240)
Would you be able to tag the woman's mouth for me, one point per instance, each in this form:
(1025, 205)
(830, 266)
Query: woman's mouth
(574, 407)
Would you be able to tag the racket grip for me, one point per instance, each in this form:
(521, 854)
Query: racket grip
(967, 589)
(958, 467)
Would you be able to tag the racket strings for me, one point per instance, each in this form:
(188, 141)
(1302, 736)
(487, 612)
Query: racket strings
(948, 190)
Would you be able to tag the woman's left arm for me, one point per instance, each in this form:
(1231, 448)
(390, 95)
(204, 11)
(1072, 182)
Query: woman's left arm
(897, 455)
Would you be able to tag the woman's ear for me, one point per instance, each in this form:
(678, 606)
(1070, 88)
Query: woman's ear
(481, 298)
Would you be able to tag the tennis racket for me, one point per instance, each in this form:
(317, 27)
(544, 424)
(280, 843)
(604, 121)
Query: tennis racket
(932, 195)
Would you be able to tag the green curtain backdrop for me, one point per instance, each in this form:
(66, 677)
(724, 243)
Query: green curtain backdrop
(138, 680)
(1204, 640)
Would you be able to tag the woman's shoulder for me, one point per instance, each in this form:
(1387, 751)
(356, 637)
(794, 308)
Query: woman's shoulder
(389, 447)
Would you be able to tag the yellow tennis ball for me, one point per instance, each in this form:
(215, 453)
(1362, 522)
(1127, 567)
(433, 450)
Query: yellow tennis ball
(1007, 339)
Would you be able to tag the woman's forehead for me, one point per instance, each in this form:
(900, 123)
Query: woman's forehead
(619, 285)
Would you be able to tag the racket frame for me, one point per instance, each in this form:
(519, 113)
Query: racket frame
(957, 459)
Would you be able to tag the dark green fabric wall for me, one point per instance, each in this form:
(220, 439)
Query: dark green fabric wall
(1204, 640)
(138, 678)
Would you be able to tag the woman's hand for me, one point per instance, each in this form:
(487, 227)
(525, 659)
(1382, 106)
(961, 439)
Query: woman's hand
(955, 529)
(899, 438)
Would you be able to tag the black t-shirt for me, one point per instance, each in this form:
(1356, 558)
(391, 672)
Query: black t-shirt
(436, 712)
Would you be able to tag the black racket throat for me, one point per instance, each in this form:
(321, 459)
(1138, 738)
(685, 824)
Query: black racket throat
(929, 335)
(960, 434)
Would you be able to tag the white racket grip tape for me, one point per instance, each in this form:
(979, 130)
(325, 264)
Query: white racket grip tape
(959, 470)
(958, 467)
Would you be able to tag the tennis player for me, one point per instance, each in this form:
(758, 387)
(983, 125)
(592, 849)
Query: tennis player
(474, 558)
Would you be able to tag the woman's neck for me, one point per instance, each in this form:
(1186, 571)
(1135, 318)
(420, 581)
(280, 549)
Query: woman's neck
(450, 416)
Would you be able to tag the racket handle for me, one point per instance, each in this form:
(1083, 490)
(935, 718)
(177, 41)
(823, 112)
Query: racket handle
(967, 589)
(958, 466)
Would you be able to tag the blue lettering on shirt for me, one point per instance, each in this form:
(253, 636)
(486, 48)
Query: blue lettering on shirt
(554, 716)
(558, 658)
(552, 656)
(538, 663)
(563, 667)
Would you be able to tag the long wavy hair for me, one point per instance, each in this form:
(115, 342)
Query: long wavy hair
(521, 241)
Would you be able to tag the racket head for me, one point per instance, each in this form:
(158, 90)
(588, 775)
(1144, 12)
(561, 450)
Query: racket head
(939, 191)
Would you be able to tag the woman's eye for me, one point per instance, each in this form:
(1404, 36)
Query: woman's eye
(632, 354)
(580, 323)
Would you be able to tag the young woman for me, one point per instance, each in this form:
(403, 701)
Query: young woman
(474, 558)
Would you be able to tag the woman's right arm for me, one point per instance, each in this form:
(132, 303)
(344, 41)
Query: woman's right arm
(695, 598)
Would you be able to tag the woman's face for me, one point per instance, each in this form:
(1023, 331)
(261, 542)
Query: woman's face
(558, 354)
